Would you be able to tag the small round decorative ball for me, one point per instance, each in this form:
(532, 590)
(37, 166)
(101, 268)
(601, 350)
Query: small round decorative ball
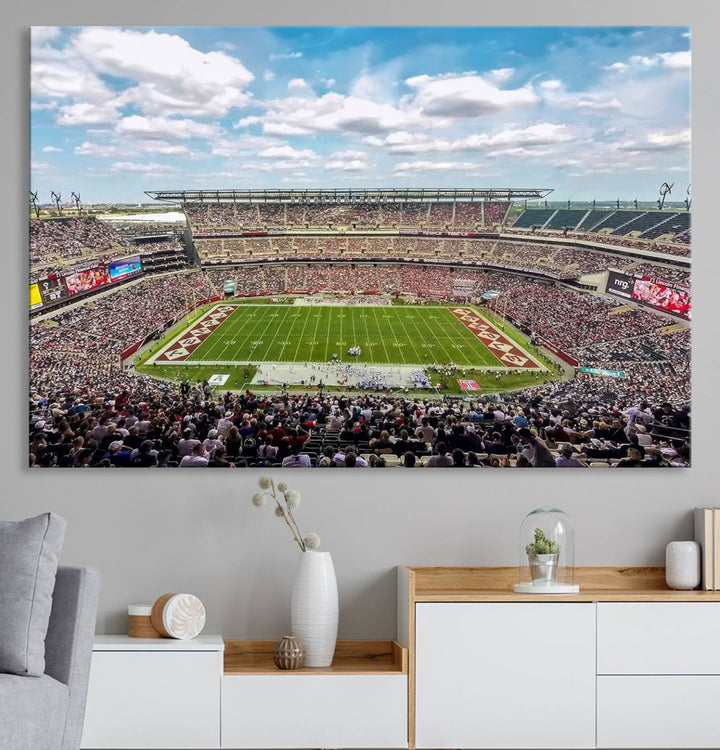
(288, 653)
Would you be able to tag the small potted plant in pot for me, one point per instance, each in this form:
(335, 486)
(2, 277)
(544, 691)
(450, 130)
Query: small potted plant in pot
(543, 555)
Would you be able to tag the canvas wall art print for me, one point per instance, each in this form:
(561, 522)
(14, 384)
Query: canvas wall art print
(359, 247)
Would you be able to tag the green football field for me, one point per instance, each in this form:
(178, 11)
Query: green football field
(386, 335)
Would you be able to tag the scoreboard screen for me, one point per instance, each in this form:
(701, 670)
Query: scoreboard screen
(673, 299)
(86, 280)
(52, 290)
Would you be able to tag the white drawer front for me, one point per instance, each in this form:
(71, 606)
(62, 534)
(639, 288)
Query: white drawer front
(505, 675)
(658, 711)
(311, 711)
(153, 700)
(658, 638)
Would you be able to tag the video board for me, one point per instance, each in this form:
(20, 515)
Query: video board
(670, 298)
(121, 269)
(87, 279)
(35, 298)
(53, 289)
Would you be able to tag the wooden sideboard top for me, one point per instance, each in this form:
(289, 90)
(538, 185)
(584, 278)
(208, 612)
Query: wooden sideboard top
(597, 584)
(351, 657)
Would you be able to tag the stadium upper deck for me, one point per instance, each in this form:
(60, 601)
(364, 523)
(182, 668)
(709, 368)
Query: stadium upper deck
(349, 195)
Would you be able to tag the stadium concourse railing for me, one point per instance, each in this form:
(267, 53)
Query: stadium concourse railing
(164, 327)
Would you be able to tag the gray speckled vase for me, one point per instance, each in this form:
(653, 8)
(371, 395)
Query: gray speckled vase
(682, 565)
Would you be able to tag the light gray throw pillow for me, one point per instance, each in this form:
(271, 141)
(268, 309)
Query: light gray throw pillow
(29, 552)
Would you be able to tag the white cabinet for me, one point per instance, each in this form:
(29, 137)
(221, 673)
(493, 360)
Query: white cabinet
(658, 675)
(154, 693)
(658, 711)
(314, 711)
(505, 675)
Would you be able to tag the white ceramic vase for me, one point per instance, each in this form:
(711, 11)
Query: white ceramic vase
(682, 565)
(314, 607)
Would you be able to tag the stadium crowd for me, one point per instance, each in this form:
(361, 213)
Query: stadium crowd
(259, 216)
(141, 423)
(60, 240)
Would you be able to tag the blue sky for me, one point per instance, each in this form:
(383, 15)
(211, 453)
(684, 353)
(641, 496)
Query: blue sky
(594, 112)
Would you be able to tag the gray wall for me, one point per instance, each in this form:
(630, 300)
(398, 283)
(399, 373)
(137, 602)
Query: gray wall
(158, 532)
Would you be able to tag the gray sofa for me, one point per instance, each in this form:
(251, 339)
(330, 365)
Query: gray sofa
(47, 712)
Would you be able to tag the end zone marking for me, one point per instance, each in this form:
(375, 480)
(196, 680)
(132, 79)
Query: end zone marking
(504, 348)
(188, 340)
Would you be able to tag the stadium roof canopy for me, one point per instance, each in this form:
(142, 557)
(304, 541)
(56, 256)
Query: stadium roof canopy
(350, 195)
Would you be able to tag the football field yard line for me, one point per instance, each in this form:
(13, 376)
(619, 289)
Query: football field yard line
(370, 343)
(302, 333)
(232, 335)
(286, 338)
(408, 339)
(398, 346)
(271, 343)
(431, 330)
(245, 345)
(318, 315)
(380, 332)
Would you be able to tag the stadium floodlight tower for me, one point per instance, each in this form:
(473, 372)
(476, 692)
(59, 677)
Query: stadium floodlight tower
(665, 190)
(76, 198)
(56, 197)
(34, 203)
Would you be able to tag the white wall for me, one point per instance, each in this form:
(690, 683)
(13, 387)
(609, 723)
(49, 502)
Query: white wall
(153, 532)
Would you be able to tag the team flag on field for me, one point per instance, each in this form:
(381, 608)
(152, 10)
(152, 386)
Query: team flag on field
(469, 385)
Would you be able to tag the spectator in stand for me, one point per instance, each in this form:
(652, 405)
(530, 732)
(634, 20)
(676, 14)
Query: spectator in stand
(566, 460)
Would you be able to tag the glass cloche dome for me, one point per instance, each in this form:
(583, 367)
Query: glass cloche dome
(546, 554)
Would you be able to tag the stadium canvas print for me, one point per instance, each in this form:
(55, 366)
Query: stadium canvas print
(359, 247)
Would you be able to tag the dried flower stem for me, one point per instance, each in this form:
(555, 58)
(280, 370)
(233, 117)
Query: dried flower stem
(288, 517)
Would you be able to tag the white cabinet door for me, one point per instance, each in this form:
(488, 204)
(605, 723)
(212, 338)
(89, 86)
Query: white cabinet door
(500, 675)
(658, 711)
(311, 711)
(153, 699)
(658, 638)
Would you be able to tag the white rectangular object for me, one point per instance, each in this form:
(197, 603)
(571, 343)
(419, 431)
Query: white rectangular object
(154, 699)
(218, 380)
(659, 638)
(497, 675)
(314, 711)
(669, 711)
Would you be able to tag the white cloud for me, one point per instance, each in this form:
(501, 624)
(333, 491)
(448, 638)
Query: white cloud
(268, 75)
(333, 112)
(288, 152)
(162, 127)
(329, 83)
(676, 60)
(86, 113)
(658, 141)
(672, 60)
(247, 121)
(52, 150)
(552, 85)
(297, 83)
(172, 77)
(434, 166)
(286, 56)
(43, 34)
(129, 166)
(246, 145)
(505, 141)
(617, 67)
(347, 161)
(500, 75)
(466, 96)
(598, 103)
